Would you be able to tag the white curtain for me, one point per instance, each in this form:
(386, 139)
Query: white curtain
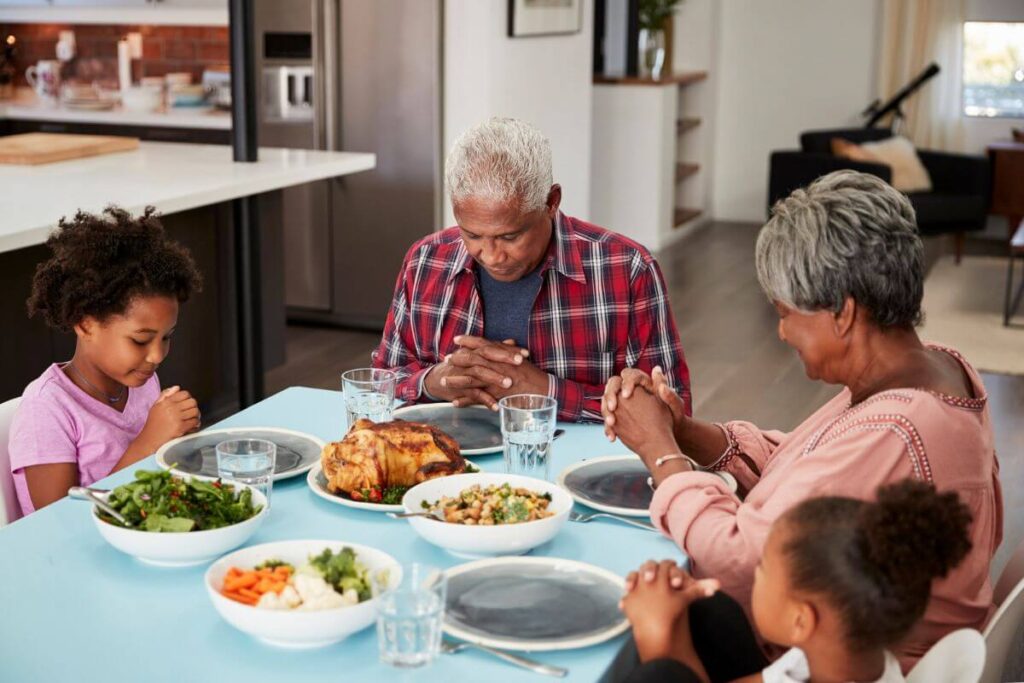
(914, 34)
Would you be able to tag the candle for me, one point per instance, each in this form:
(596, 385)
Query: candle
(124, 64)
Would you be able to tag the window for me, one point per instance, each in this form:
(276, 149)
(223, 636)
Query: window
(993, 69)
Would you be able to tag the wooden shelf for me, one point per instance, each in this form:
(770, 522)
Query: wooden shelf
(685, 124)
(680, 79)
(686, 170)
(683, 215)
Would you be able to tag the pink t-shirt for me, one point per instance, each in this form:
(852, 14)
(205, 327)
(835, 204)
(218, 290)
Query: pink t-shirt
(58, 422)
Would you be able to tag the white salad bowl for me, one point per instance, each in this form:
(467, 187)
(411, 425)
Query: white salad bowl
(472, 541)
(182, 549)
(299, 629)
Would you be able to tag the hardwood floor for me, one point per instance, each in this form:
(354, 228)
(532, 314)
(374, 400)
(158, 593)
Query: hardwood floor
(739, 367)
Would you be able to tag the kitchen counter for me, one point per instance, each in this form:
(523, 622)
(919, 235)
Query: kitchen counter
(172, 177)
(26, 106)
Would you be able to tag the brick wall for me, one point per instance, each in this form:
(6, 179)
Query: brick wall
(165, 49)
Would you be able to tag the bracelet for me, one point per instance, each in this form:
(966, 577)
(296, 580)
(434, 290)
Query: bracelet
(677, 456)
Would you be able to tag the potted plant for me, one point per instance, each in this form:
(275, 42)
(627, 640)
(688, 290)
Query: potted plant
(653, 15)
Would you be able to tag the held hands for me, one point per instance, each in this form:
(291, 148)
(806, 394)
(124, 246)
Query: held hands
(643, 411)
(657, 601)
(174, 414)
(483, 371)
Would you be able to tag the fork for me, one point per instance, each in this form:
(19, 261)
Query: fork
(580, 517)
(450, 647)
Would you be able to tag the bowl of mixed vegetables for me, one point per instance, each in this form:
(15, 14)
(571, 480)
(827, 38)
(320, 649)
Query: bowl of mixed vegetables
(301, 594)
(179, 520)
(488, 514)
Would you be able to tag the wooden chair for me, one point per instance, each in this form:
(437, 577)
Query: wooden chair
(9, 508)
(957, 658)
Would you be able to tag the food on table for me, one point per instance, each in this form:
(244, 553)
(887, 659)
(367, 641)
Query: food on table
(378, 460)
(159, 501)
(326, 581)
(495, 504)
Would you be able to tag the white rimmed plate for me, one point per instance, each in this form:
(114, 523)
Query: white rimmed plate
(610, 483)
(297, 452)
(477, 429)
(533, 604)
(318, 485)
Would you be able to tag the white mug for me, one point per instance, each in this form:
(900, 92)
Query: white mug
(45, 78)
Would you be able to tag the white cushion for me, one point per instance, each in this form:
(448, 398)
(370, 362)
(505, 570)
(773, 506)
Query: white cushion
(908, 173)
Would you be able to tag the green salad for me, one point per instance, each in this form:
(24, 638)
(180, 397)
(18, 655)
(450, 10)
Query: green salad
(159, 501)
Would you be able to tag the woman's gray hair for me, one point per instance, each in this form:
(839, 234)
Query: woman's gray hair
(503, 160)
(848, 234)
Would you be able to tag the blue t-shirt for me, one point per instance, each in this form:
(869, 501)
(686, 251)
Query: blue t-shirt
(507, 305)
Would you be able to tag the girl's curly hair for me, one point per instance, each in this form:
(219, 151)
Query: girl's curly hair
(101, 262)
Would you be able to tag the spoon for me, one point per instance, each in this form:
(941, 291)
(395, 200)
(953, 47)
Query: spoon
(94, 496)
(432, 514)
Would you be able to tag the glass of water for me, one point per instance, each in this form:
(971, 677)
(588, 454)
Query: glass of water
(369, 394)
(248, 461)
(409, 617)
(527, 430)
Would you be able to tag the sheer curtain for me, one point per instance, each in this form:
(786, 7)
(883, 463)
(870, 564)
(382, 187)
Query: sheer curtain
(914, 34)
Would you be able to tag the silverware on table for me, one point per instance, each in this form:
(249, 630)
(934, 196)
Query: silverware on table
(558, 434)
(450, 647)
(95, 496)
(580, 517)
(432, 514)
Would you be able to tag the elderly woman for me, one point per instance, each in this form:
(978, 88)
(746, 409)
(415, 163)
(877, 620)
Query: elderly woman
(842, 263)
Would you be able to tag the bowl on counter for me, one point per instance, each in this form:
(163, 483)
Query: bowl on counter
(298, 629)
(182, 549)
(186, 96)
(142, 99)
(476, 541)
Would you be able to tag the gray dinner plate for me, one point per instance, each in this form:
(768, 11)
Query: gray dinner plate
(533, 603)
(614, 483)
(476, 428)
(197, 454)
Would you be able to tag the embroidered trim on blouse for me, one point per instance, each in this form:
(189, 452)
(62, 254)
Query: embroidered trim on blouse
(732, 449)
(902, 428)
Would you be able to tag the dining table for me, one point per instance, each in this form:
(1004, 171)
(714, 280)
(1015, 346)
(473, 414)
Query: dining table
(75, 609)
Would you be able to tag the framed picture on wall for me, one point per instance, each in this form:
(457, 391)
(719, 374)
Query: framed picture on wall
(544, 17)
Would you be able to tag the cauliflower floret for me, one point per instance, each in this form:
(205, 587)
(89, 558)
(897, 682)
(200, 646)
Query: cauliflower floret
(317, 594)
(288, 599)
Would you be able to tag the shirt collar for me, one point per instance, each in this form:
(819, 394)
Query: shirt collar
(562, 255)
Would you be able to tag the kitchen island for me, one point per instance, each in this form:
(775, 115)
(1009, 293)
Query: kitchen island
(192, 186)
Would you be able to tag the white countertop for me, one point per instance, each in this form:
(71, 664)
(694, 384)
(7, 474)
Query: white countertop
(27, 106)
(170, 176)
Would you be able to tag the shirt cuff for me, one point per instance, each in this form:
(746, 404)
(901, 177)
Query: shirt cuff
(424, 394)
(569, 396)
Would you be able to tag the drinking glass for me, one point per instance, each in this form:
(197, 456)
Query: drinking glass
(527, 430)
(409, 617)
(248, 461)
(369, 394)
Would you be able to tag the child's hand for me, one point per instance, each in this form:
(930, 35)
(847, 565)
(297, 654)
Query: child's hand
(174, 414)
(656, 603)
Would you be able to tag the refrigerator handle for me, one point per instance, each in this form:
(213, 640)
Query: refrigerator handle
(326, 53)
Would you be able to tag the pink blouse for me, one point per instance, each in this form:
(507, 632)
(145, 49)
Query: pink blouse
(849, 450)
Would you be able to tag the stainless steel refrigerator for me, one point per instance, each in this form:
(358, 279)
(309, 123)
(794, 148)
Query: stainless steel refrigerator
(360, 76)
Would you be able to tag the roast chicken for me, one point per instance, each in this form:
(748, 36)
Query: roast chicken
(396, 453)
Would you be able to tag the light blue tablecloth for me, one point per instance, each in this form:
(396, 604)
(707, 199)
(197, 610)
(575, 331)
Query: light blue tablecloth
(74, 609)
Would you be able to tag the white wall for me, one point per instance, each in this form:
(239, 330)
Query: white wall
(545, 80)
(783, 67)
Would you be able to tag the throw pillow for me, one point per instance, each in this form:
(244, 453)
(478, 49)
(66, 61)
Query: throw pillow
(897, 152)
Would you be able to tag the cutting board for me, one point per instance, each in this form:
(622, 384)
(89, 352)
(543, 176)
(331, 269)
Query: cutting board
(44, 148)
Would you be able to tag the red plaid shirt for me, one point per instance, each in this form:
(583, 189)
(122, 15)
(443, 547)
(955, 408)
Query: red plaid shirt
(601, 308)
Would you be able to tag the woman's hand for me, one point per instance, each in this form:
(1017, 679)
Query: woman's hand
(644, 424)
(626, 386)
(657, 601)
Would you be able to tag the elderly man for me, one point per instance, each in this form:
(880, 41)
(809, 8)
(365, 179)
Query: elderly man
(520, 298)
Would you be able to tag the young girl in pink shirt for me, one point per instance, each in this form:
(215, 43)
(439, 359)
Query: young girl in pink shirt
(116, 282)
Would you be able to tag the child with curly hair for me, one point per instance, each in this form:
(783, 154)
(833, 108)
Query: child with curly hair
(841, 581)
(116, 282)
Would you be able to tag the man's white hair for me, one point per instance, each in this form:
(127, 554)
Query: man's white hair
(503, 160)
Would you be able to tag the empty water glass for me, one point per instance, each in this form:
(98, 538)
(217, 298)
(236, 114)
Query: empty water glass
(369, 394)
(248, 461)
(527, 430)
(409, 617)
